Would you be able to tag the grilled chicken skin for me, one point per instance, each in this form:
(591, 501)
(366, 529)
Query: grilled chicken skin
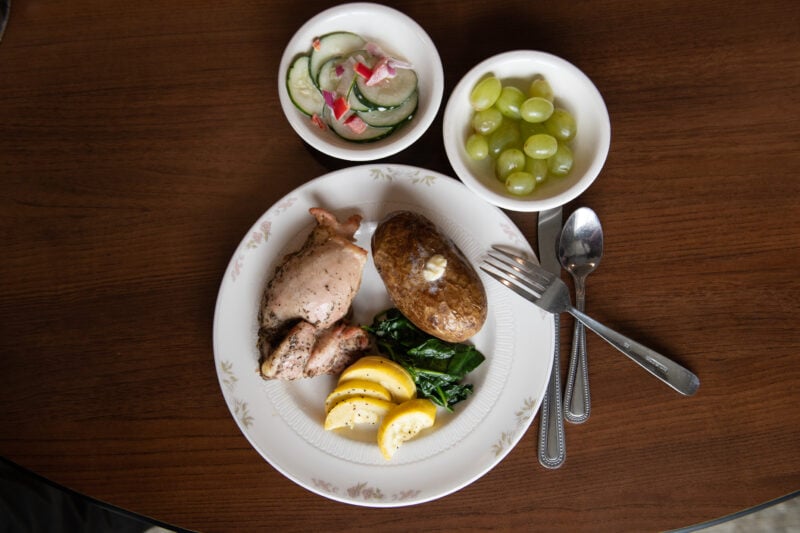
(303, 329)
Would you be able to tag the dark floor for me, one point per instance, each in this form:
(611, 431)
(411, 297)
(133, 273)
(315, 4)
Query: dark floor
(32, 504)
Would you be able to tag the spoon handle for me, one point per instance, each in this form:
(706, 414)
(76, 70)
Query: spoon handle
(577, 400)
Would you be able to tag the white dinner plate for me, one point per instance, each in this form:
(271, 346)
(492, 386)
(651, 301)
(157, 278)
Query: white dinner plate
(283, 420)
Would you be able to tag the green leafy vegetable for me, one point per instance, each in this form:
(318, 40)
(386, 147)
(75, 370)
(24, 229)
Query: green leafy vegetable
(436, 366)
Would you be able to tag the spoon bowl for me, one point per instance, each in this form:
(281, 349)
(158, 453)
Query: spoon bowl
(579, 251)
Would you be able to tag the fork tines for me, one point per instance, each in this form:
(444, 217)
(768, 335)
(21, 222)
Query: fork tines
(517, 273)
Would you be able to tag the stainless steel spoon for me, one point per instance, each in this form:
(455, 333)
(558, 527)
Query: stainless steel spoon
(579, 251)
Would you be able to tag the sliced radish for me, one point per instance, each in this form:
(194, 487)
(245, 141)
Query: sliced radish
(356, 124)
(380, 72)
(318, 122)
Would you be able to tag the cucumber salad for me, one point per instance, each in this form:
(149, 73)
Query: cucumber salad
(351, 86)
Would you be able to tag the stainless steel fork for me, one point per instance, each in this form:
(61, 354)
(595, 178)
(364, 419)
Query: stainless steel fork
(546, 290)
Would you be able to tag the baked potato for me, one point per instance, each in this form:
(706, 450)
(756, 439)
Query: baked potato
(428, 278)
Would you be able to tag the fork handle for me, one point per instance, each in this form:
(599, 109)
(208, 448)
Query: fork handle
(665, 369)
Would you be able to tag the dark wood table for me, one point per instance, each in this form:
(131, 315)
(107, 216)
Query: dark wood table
(140, 140)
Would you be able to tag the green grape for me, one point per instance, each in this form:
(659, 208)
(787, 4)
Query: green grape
(520, 183)
(524, 135)
(486, 121)
(561, 125)
(477, 147)
(540, 146)
(541, 88)
(526, 129)
(485, 93)
(560, 163)
(509, 101)
(509, 161)
(506, 136)
(537, 168)
(536, 109)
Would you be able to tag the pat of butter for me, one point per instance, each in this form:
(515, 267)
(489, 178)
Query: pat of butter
(434, 268)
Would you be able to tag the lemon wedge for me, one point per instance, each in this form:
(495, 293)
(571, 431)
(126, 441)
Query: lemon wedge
(404, 422)
(357, 410)
(385, 372)
(356, 387)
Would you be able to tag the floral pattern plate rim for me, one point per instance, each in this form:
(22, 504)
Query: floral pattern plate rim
(283, 420)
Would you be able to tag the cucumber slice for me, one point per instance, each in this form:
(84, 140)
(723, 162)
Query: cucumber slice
(355, 103)
(302, 91)
(327, 80)
(372, 133)
(389, 93)
(392, 117)
(331, 45)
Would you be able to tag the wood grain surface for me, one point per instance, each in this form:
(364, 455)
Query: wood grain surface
(140, 140)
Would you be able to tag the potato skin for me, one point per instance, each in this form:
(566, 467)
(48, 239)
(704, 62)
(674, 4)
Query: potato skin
(452, 308)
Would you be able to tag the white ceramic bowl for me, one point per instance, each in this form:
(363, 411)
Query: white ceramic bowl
(573, 91)
(398, 35)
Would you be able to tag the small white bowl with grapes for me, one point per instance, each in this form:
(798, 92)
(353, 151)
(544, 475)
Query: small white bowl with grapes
(360, 81)
(526, 131)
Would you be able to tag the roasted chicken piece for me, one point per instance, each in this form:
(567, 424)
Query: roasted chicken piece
(303, 327)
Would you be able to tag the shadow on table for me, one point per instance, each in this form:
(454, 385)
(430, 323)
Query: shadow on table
(29, 502)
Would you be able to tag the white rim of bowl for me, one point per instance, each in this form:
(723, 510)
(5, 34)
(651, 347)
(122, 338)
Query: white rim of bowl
(391, 144)
(529, 204)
